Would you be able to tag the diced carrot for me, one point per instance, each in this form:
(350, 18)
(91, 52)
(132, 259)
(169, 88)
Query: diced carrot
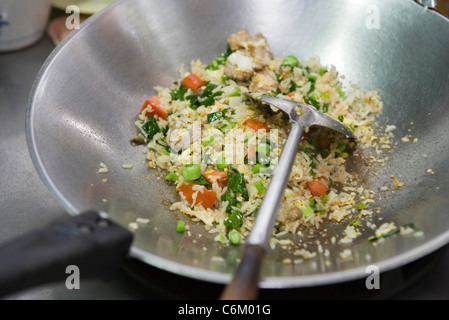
(204, 197)
(219, 175)
(291, 95)
(257, 125)
(216, 175)
(158, 109)
(192, 81)
(317, 186)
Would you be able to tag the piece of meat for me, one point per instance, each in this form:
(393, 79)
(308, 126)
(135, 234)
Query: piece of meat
(250, 61)
(293, 214)
(239, 40)
(260, 51)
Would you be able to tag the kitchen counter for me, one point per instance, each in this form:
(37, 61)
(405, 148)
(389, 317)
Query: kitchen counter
(26, 204)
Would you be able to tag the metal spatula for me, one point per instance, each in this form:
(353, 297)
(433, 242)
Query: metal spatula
(244, 284)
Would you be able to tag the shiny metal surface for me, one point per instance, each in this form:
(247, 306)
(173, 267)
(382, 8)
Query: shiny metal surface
(83, 108)
(26, 204)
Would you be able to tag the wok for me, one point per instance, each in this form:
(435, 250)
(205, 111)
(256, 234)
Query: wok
(85, 100)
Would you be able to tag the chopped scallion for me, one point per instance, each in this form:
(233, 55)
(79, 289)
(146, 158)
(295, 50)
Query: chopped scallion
(351, 127)
(171, 176)
(181, 226)
(312, 77)
(260, 187)
(322, 71)
(290, 61)
(264, 149)
(235, 237)
(221, 163)
(234, 221)
(207, 141)
(151, 128)
(191, 171)
(355, 223)
(307, 211)
(361, 206)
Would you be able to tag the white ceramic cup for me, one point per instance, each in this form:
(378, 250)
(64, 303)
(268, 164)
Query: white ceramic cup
(22, 22)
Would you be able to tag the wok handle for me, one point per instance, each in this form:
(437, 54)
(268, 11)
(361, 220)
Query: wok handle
(244, 284)
(88, 241)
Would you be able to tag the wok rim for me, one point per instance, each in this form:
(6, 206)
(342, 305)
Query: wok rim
(286, 282)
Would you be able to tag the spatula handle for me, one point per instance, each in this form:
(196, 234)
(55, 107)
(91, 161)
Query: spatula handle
(266, 216)
(244, 284)
(92, 243)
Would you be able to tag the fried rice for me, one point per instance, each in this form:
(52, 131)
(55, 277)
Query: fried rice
(219, 147)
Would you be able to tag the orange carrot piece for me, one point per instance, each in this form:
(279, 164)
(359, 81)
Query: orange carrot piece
(317, 186)
(158, 109)
(192, 81)
(216, 175)
(257, 125)
(219, 175)
(206, 198)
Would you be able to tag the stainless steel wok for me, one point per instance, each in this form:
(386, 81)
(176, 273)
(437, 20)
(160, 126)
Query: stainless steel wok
(86, 97)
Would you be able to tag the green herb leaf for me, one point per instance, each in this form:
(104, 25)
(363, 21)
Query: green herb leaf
(214, 116)
(392, 232)
(207, 98)
(203, 181)
(178, 93)
(236, 183)
(219, 60)
(151, 128)
(234, 221)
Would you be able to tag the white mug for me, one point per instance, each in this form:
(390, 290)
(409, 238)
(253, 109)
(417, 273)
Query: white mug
(22, 22)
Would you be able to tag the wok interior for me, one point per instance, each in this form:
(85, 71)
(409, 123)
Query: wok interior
(88, 95)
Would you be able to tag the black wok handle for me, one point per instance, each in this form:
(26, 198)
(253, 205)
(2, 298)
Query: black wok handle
(97, 246)
(245, 283)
